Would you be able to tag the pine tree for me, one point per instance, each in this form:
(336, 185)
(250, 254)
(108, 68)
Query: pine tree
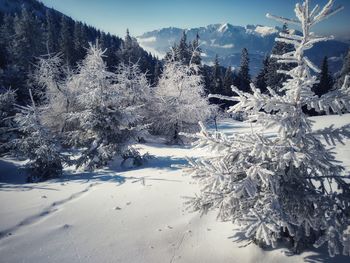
(274, 79)
(133, 85)
(128, 43)
(180, 103)
(326, 80)
(132, 53)
(228, 82)
(289, 185)
(113, 50)
(51, 33)
(196, 51)
(50, 77)
(66, 40)
(37, 144)
(216, 87)
(103, 124)
(6, 35)
(26, 45)
(216, 82)
(261, 78)
(243, 73)
(80, 41)
(182, 51)
(27, 42)
(7, 111)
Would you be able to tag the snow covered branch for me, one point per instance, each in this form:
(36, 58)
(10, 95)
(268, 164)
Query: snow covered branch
(288, 184)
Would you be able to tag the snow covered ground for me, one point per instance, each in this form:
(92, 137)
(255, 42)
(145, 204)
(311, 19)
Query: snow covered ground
(138, 215)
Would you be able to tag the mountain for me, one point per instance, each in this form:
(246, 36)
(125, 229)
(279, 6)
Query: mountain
(227, 41)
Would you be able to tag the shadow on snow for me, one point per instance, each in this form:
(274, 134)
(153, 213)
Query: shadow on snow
(13, 177)
(320, 255)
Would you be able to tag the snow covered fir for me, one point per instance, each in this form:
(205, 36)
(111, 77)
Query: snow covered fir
(170, 147)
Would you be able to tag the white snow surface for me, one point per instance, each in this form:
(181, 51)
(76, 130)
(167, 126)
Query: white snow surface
(115, 215)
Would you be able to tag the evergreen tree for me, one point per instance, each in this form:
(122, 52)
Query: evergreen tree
(6, 35)
(171, 54)
(80, 41)
(128, 43)
(7, 111)
(273, 78)
(26, 45)
(243, 73)
(135, 91)
(183, 53)
(131, 52)
(228, 82)
(326, 80)
(216, 84)
(27, 42)
(288, 185)
(261, 78)
(66, 40)
(50, 77)
(196, 51)
(51, 37)
(37, 144)
(216, 87)
(103, 123)
(180, 102)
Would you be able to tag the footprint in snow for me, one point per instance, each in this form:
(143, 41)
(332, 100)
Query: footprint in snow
(117, 208)
(66, 226)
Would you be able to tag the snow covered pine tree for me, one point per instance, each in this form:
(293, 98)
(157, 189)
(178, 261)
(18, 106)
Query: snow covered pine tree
(52, 77)
(180, 103)
(7, 110)
(136, 90)
(37, 144)
(283, 185)
(104, 123)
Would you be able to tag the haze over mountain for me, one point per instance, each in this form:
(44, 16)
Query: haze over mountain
(227, 40)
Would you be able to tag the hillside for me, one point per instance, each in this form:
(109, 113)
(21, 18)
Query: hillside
(31, 30)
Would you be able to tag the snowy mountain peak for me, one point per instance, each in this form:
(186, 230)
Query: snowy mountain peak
(223, 27)
(260, 30)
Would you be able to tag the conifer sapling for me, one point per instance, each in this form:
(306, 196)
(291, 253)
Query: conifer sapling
(289, 184)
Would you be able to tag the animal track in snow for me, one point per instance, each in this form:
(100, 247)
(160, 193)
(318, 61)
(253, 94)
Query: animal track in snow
(54, 207)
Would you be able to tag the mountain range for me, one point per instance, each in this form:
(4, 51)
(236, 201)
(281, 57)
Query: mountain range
(227, 40)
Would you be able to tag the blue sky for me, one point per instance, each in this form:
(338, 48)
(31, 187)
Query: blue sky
(140, 16)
